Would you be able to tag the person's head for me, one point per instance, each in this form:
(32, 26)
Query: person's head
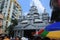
(46, 38)
(1, 19)
(31, 37)
(17, 38)
(55, 39)
(37, 38)
(55, 3)
(0, 38)
(6, 36)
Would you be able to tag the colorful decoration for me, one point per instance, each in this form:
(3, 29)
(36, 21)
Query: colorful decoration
(40, 31)
(51, 31)
(53, 27)
(54, 34)
(43, 34)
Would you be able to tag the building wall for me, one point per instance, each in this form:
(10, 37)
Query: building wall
(8, 11)
(1, 19)
(1, 23)
(1, 5)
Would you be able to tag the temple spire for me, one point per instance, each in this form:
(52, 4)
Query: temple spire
(44, 10)
(32, 3)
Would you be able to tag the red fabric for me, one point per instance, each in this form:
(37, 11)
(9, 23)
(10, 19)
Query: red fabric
(59, 3)
(40, 31)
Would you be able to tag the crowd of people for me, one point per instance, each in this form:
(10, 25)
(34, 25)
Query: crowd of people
(24, 38)
(9, 38)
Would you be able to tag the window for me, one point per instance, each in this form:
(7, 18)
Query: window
(7, 0)
(24, 23)
(38, 22)
(0, 11)
(12, 16)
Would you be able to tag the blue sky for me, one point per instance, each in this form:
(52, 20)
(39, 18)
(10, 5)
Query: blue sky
(45, 3)
(25, 4)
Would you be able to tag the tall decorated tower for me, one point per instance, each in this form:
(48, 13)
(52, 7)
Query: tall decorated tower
(45, 16)
(33, 13)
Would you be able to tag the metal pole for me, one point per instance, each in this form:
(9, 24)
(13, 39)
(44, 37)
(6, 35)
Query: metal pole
(22, 33)
(14, 33)
(36, 30)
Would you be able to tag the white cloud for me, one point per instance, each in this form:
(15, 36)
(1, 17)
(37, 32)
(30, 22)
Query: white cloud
(25, 13)
(38, 4)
